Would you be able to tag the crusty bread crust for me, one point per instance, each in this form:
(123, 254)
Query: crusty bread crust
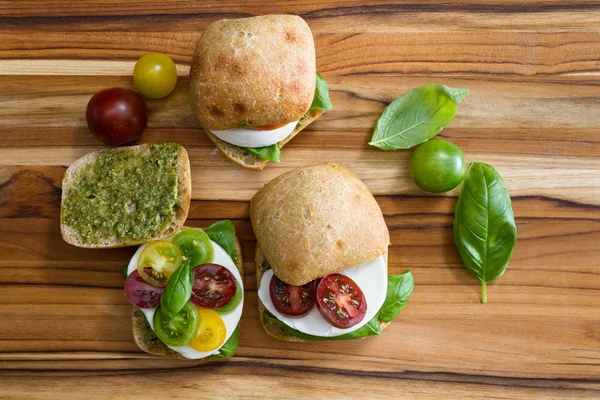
(71, 236)
(145, 337)
(253, 72)
(249, 161)
(317, 220)
(262, 265)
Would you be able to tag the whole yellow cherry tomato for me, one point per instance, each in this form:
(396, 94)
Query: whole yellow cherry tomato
(155, 75)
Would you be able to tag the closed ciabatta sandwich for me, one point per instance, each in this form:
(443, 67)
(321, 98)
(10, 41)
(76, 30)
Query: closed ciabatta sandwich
(254, 85)
(125, 196)
(187, 292)
(321, 257)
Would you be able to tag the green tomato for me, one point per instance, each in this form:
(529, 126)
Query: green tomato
(437, 166)
(179, 330)
(155, 75)
(235, 300)
(195, 246)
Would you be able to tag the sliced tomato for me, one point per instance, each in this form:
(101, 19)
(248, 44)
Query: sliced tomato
(268, 127)
(211, 331)
(340, 301)
(140, 293)
(158, 261)
(214, 286)
(179, 330)
(195, 246)
(290, 300)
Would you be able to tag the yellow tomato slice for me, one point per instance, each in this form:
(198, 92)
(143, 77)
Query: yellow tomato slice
(211, 331)
(158, 261)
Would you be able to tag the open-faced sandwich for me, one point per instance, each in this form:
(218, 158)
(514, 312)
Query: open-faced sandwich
(188, 293)
(321, 257)
(125, 196)
(254, 85)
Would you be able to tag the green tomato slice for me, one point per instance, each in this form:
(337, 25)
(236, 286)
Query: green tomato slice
(195, 246)
(179, 330)
(235, 300)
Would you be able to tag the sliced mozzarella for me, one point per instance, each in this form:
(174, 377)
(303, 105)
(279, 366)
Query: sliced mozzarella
(371, 277)
(231, 319)
(251, 138)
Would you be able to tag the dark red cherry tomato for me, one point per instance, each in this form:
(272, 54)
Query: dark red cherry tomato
(340, 301)
(214, 286)
(117, 116)
(140, 293)
(290, 300)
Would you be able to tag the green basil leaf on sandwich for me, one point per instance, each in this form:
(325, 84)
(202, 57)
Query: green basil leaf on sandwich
(271, 153)
(229, 348)
(178, 290)
(321, 100)
(399, 290)
(371, 329)
(124, 270)
(223, 233)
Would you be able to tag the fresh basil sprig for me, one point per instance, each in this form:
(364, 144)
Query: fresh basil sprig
(271, 153)
(399, 289)
(229, 348)
(178, 290)
(416, 117)
(484, 225)
(321, 99)
(223, 234)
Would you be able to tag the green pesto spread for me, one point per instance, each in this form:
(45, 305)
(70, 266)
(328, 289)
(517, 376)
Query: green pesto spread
(130, 196)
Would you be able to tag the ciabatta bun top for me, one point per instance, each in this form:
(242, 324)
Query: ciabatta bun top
(317, 220)
(253, 72)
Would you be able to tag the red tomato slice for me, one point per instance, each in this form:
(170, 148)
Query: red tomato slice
(268, 127)
(340, 301)
(293, 301)
(214, 286)
(140, 293)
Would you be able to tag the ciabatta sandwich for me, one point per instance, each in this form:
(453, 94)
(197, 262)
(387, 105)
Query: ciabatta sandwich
(321, 257)
(187, 292)
(254, 85)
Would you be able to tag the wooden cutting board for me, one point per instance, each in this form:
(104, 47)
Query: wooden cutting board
(533, 112)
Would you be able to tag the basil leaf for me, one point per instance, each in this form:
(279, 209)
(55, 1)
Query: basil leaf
(271, 153)
(321, 100)
(178, 290)
(223, 233)
(416, 116)
(484, 225)
(124, 268)
(399, 290)
(229, 348)
(373, 327)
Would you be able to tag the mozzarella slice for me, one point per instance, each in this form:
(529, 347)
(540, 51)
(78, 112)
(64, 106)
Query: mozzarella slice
(371, 277)
(251, 138)
(231, 319)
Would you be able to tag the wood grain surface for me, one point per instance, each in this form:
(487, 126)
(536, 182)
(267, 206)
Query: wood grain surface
(533, 71)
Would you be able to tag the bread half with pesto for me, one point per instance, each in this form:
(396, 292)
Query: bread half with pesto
(126, 196)
(319, 221)
(146, 339)
(254, 85)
